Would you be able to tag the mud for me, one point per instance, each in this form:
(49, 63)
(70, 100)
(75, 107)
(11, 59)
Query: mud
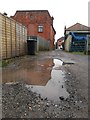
(44, 77)
(50, 85)
(33, 72)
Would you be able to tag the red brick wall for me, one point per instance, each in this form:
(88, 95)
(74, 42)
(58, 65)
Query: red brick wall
(52, 36)
(32, 19)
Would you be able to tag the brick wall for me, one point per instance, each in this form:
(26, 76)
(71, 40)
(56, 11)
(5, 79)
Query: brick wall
(33, 19)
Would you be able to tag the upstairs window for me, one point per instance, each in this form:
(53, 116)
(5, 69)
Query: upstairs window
(40, 28)
(31, 17)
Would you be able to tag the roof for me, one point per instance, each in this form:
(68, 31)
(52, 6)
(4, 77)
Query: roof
(34, 11)
(62, 38)
(78, 27)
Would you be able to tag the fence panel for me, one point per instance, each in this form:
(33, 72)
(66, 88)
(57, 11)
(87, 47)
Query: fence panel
(13, 34)
(24, 40)
(3, 40)
(13, 38)
(17, 40)
(8, 37)
(0, 36)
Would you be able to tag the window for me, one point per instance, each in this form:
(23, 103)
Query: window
(31, 17)
(40, 28)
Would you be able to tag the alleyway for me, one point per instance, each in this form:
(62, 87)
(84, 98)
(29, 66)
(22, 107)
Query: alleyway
(52, 84)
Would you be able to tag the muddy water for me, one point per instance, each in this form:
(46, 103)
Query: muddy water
(32, 72)
(55, 87)
(43, 76)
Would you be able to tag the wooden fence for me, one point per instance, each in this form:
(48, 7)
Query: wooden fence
(13, 38)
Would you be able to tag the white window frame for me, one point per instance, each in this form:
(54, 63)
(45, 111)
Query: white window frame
(40, 28)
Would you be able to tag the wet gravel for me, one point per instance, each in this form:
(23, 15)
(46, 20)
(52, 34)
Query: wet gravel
(19, 102)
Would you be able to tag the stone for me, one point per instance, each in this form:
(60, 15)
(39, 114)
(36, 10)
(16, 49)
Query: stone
(62, 86)
(61, 98)
(56, 105)
(80, 101)
(75, 101)
(47, 104)
(30, 108)
(45, 98)
(41, 98)
(25, 114)
(69, 73)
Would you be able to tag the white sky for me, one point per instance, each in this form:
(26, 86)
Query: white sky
(65, 12)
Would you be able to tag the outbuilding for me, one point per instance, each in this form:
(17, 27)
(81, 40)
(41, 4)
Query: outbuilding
(76, 37)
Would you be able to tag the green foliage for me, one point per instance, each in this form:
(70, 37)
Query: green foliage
(0, 63)
(4, 63)
(78, 53)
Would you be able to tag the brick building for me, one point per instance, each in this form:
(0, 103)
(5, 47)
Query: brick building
(38, 23)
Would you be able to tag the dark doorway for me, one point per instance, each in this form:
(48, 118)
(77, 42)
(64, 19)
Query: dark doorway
(31, 45)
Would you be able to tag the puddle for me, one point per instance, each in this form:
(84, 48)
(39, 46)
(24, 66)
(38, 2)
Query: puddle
(57, 64)
(42, 76)
(55, 87)
(34, 71)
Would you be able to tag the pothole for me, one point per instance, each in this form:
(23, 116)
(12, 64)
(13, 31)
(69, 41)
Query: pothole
(45, 77)
(55, 88)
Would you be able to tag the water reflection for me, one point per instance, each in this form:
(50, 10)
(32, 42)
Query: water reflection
(55, 86)
(57, 63)
(33, 72)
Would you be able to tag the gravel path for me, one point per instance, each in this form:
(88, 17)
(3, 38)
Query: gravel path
(19, 102)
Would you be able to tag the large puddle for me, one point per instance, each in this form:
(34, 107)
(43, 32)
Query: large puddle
(32, 72)
(44, 77)
(55, 87)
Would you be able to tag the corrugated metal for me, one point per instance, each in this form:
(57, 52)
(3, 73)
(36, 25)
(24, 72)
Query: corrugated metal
(13, 38)
(43, 44)
(37, 43)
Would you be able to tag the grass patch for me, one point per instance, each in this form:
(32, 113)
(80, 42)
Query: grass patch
(4, 63)
(0, 63)
(78, 53)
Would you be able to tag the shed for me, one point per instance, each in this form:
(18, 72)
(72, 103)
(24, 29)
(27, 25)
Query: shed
(75, 37)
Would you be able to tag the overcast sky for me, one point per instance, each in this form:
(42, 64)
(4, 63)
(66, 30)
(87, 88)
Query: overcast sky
(65, 12)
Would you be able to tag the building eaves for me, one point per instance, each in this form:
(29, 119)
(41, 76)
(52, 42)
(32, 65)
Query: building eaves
(42, 11)
(62, 38)
(78, 27)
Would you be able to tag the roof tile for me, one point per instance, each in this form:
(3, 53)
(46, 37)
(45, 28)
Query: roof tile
(78, 27)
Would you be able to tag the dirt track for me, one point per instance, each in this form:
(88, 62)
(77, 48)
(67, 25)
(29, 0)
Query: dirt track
(21, 102)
